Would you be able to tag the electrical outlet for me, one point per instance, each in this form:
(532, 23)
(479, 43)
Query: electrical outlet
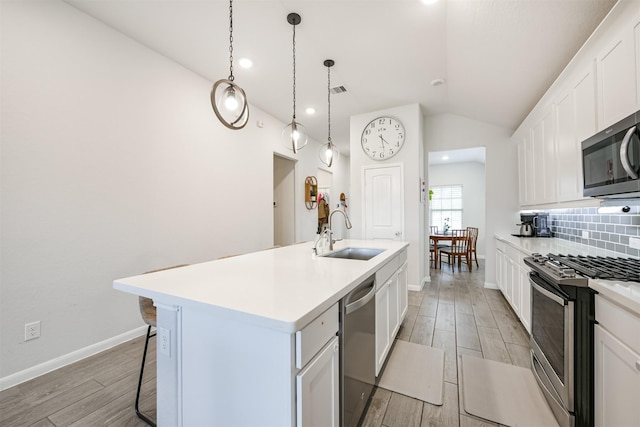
(164, 341)
(634, 242)
(32, 330)
(585, 234)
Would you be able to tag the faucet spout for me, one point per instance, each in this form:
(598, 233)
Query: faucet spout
(347, 223)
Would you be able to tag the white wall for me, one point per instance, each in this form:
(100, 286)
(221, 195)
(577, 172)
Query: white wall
(112, 164)
(412, 158)
(450, 132)
(471, 175)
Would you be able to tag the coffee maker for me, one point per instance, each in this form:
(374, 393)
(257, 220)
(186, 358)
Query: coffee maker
(541, 225)
(534, 224)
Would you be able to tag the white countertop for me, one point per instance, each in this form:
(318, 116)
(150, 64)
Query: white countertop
(283, 288)
(625, 294)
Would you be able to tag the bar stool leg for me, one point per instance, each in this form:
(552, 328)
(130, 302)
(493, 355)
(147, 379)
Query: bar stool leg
(144, 358)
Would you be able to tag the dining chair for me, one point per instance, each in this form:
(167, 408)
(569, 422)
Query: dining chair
(148, 313)
(459, 248)
(473, 241)
(433, 229)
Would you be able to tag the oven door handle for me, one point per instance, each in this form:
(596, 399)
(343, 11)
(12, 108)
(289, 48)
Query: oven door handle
(548, 294)
(624, 156)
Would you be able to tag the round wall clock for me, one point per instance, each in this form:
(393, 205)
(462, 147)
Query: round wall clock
(382, 138)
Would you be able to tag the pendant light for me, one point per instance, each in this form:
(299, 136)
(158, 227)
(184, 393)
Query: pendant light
(228, 100)
(294, 136)
(329, 152)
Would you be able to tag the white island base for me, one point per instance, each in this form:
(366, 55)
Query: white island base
(251, 340)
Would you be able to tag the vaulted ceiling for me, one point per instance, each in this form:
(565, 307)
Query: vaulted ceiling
(497, 57)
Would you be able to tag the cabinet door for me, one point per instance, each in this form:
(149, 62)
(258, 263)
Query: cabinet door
(382, 326)
(544, 160)
(616, 78)
(499, 261)
(522, 174)
(394, 312)
(403, 292)
(617, 381)
(317, 389)
(516, 302)
(525, 297)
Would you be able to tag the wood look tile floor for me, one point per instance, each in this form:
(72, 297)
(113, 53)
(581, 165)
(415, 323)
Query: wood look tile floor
(454, 312)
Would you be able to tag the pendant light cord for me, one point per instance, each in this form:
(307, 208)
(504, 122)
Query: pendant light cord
(329, 102)
(294, 72)
(231, 40)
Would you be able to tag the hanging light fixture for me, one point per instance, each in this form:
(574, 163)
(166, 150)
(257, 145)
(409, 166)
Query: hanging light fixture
(228, 100)
(294, 136)
(329, 152)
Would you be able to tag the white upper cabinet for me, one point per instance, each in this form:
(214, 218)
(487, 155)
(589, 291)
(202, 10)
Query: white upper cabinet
(599, 87)
(616, 64)
(575, 121)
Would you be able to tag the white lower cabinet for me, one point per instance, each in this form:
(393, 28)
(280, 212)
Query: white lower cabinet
(392, 301)
(403, 292)
(382, 326)
(512, 276)
(617, 365)
(318, 389)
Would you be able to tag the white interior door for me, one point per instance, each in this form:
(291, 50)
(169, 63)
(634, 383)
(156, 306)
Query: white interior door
(383, 203)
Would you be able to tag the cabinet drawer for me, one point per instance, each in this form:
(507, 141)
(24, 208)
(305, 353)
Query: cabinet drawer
(500, 245)
(621, 323)
(385, 272)
(315, 335)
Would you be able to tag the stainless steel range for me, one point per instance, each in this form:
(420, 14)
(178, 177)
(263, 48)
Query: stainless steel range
(562, 319)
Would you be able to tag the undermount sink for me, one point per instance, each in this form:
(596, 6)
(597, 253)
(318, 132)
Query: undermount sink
(362, 254)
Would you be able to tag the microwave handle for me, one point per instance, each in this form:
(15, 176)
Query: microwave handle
(624, 157)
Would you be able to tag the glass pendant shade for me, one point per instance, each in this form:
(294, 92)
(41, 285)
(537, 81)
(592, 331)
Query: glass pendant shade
(329, 153)
(229, 102)
(294, 136)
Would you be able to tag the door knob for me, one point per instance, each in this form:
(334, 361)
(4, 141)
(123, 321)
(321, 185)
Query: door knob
(398, 234)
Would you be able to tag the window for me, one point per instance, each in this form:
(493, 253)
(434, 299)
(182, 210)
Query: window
(446, 206)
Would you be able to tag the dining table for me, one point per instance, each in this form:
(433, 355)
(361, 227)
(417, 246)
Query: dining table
(436, 238)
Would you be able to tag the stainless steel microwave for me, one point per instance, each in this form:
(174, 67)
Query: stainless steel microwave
(611, 160)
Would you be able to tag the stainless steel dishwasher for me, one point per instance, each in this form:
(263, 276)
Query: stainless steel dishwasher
(357, 351)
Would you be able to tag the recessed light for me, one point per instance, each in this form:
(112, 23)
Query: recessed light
(245, 63)
(310, 110)
(445, 157)
(437, 82)
(429, 1)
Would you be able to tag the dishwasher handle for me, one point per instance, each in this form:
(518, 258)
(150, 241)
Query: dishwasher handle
(359, 303)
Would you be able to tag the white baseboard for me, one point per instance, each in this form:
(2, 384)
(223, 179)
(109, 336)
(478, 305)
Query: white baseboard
(489, 285)
(67, 359)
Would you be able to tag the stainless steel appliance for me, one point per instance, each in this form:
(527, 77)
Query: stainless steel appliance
(357, 351)
(562, 319)
(534, 225)
(611, 160)
(541, 225)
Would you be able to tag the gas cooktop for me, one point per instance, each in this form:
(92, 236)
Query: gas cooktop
(576, 269)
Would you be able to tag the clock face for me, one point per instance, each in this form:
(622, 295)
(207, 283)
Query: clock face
(382, 138)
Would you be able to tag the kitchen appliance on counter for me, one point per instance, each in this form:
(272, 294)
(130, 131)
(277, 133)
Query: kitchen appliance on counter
(611, 160)
(357, 351)
(534, 225)
(562, 333)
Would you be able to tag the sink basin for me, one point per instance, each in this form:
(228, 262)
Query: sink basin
(362, 254)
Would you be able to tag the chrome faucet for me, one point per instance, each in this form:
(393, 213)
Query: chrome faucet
(329, 229)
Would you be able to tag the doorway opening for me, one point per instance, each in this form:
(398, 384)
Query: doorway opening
(457, 191)
(284, 225)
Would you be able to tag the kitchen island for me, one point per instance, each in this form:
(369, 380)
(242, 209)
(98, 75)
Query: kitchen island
(236, 335)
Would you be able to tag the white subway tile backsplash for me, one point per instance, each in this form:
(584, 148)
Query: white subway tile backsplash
(610, 231)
